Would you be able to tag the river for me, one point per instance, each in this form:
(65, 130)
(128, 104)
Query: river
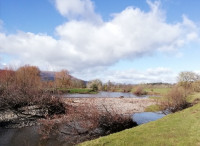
(145, 117)
(103, 94)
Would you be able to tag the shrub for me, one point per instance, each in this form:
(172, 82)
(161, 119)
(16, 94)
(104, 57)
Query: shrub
(175, 100)
(140, 91)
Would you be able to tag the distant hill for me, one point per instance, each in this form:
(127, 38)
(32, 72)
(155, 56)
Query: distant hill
(50, 76)
(47, 75)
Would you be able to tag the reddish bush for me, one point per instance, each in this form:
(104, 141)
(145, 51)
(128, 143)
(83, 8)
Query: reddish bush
(23, 88)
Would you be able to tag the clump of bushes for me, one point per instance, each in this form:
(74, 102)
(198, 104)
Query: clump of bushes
(175, 100)
(24, 87)
(139, 91)
(85, 122)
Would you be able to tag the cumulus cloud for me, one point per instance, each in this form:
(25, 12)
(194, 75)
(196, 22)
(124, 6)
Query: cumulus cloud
(78, 9)
(151, 75)
(84, 43)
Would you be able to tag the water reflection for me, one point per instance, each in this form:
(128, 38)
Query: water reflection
(27, 136)
(19, 137)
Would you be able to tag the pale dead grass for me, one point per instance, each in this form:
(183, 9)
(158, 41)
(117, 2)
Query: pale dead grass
(120, 105)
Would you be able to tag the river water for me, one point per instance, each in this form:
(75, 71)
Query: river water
(27, 136)
(103, 94)
(145, 117)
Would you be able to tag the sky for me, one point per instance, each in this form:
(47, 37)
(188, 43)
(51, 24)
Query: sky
(124, 41)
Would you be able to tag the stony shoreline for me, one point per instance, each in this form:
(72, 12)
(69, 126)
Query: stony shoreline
(119, 105)
(22, 117)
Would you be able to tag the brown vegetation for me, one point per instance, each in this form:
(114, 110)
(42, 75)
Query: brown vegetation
(63, 79)
(23, 87)
(175, 100)
(139, 91)
(190, 81)
(116, 87)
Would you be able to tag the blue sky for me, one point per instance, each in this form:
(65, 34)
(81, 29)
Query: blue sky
(127, 41)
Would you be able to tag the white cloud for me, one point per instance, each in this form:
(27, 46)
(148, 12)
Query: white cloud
(151, 75)
(78, 9)
(82, 44)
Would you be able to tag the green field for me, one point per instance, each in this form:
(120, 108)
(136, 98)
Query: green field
(77, 90)
(181, 128)
(82, 91)
(157, 91)
(154, 90)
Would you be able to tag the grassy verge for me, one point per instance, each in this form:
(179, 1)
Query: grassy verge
(181, 128)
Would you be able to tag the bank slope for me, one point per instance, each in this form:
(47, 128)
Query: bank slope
(181, 128)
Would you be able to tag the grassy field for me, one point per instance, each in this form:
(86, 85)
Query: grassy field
(82, 91)
(180, 129)
(154, 90)
(77, 90)
(157, 91)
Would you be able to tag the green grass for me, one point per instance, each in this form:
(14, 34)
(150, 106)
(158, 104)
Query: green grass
(157, 91)
(78, 90)
(82, 91)
(152, 108)
(178, 129)
(154, 91)
(155, 107)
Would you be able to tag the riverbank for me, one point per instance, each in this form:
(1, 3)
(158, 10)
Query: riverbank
(181, 128)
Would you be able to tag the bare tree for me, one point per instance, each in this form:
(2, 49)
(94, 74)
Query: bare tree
(6, 77)
(28, 77)
(63, 79)
(186, 79)
(95, 84)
